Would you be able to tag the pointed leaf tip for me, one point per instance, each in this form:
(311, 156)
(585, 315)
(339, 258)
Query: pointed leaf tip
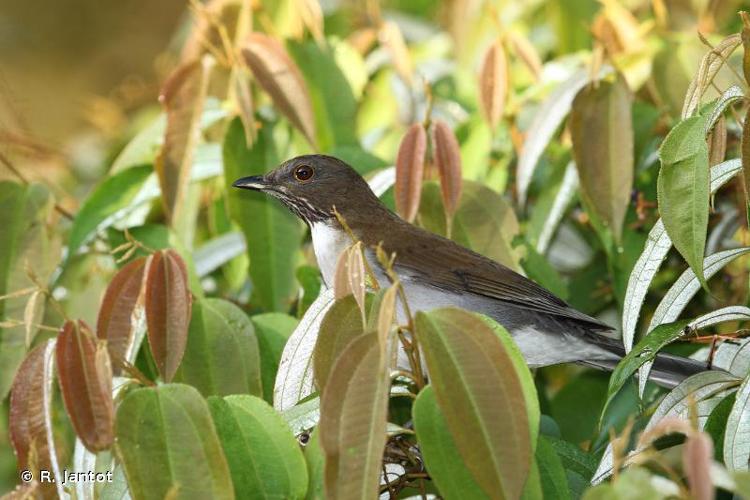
(447, 158)
(85, 377)
(168, 308)
(409, 171)
(282, 80)
(493, 83)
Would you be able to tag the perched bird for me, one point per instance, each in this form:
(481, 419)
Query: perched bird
(437, 272)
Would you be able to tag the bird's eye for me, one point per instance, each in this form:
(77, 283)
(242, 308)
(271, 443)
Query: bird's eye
(303, 173)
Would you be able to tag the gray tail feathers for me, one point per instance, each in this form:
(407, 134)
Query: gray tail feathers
(667, 371)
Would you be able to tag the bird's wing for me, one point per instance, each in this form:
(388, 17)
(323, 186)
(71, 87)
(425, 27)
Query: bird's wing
(449, 266)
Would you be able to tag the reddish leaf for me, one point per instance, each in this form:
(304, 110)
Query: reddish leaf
(85, 376)
(280, 77)
(350, 275)
(353, 418)
(409, 171)
(30, 418)
(493, 83)
(182, 97)
(697, 457)
(168, 309)
(121, 312)
(447, 157)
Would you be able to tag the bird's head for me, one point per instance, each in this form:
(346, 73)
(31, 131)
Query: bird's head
(312, 185)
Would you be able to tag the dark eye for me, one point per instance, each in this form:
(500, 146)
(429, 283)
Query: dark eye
(303, 173)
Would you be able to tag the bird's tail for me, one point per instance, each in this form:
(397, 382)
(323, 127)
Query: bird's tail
(667, 371)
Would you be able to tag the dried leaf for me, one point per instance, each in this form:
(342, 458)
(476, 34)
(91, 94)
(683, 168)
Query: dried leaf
(745, 157)
(243, 99)
(387, 313)
(121, 314)
(30, 427)
(745, 37)
(182, 96)
(350, 275)
(409, 171)
(85, 377)
(717, 142)
(31, 315)
(526, 51)
(280, 77)
(353, 417)
(234, 16)
(447, 158)
(312, 17)
(493, 83)
(168, 308)
(602, 133)
(697, 459)
(391, 38)
(709, 67)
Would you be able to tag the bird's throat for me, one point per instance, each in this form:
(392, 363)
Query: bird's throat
(329, 240)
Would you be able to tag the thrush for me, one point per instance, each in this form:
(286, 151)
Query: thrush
(437, 272)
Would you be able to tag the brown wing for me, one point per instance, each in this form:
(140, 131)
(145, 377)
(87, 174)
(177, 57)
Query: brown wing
(452, 267)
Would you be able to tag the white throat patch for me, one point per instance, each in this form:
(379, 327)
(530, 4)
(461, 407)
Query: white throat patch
(328, 243)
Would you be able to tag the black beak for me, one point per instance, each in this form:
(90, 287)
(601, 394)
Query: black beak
(254, 182)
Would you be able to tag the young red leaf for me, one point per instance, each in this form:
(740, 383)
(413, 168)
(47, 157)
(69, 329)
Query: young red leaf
(168, 309)
(182, 96)
(30, 417)
(280, 77)
(121, 312)
(493, 83)
(447, 157)
(85, 377)
(409, 171)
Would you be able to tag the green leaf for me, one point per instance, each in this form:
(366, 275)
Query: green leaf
(340, 326)
(168, 445)
(333, 102)
(221, 356)
(439, 451)
(484, 222)
(551, 471)
(353, 418)
(264, 458)
(577, 405)
(646, 350)
(315, 464)
(115, 194)
(602, 133)
(717, 423)
(683, 190)
(272, 331)
(477, 384)
(272, 233)
(579, 466)
(309, 279)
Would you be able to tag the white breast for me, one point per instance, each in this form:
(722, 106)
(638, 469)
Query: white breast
(328, 243)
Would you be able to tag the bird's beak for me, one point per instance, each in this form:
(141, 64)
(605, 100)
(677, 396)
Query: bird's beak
(254, 182)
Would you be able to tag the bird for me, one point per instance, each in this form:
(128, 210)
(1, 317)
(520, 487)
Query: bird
(438, 272)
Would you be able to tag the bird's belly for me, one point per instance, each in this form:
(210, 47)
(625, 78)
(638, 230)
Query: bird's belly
(540, 345)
